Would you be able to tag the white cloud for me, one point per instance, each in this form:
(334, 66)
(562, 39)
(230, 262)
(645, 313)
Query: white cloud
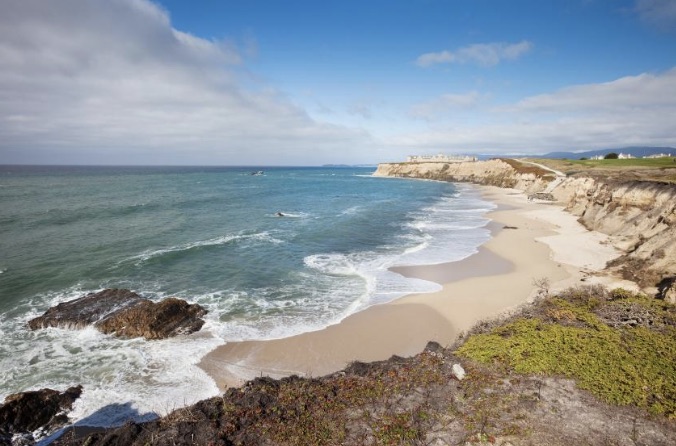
(646, 93)
(483, 54)
(446, 102)
(633, 110)
(110, 81)
(661, 13)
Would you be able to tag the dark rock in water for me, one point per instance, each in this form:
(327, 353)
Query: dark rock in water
(151, 320)
(86, 310)
(23, 413)
(126, 314)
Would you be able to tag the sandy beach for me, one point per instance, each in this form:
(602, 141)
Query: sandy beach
(531, 241)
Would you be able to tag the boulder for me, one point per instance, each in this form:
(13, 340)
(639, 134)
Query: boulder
(124, 313)
(23, 413)
(458, 371)
(150, 320)
(666, 289)
(86, 310)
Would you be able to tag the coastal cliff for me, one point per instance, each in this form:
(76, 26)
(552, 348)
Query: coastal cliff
(495, 172)
(639, 216)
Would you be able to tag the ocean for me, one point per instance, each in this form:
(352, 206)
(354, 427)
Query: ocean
(210, 235)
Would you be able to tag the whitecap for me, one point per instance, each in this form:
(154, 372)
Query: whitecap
(216, 241)
(290, 214)
(351, 210)
(333, 264)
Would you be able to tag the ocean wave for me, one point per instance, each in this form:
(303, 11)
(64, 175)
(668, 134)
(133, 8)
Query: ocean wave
(351, 210)
(333, 264)
(448, 226)
(123, 378)
(216, 241)
(291, 214)
(450, 210)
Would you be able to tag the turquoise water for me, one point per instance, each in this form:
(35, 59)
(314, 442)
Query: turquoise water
(212, 236)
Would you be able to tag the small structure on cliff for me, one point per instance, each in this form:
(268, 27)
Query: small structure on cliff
(441, 158)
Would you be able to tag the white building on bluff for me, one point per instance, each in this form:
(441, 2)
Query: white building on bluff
(621, 156)
(659, 155)
(441, 158)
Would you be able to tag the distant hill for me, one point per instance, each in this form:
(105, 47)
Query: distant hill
(349, 165)
(634, 151)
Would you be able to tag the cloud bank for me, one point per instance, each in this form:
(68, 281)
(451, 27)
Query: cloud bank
(633, 110)
(482, 54)
(110, 81)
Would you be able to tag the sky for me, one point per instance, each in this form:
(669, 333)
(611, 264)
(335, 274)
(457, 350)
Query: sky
(307, 82)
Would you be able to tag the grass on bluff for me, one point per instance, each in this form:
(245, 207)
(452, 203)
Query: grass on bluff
(641, 169)
(623, 163)
(618, 345)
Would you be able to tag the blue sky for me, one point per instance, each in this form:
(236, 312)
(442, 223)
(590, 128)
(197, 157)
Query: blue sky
(308, 82)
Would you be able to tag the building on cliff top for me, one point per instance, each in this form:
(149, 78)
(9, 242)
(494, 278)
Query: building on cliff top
(441, 158)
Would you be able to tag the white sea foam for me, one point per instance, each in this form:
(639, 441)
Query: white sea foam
(122, 379)
(332, 264)
(216, 241)
(291, 214)
(351, 210)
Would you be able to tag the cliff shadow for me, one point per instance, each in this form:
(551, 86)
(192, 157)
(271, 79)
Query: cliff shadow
(107, 417)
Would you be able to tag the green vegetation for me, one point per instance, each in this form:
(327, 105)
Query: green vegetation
(371, 404)
(632, 162)
(635, 169)
(655, 163)
(618, 345)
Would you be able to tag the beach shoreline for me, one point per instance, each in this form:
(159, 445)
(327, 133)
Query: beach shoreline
(531, 242)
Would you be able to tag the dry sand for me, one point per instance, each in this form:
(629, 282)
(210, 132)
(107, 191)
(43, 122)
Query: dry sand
(541, 241)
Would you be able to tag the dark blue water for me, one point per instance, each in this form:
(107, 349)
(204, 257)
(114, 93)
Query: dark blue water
(213, 236)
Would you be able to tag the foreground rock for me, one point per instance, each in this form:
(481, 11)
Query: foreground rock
(124, 313)
(23, 413)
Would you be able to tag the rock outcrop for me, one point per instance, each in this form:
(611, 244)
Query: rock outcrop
(151, 320)
(124, 313)
(26, 412)
(639, 217)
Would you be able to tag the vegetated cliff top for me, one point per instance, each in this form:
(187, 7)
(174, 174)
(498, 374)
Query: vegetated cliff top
(637, 169)
(519, 388)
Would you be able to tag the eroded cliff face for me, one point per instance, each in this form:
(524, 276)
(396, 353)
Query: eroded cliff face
(490, 173)
(639, 216)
